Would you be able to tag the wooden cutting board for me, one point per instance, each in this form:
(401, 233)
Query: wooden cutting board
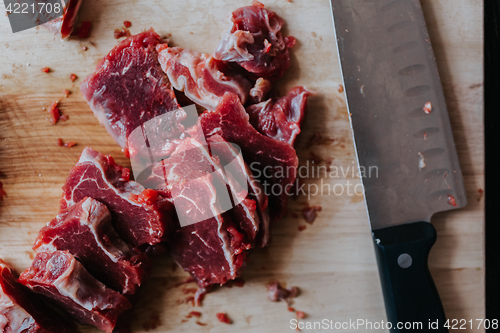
(332, 261)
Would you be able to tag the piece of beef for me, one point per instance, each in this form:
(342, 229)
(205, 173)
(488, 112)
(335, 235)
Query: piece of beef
(250, 202)
(273, 162)
(59, 276)
(202, 78)
(255, 43)
(260, 90)
(85, 230)
(281, 118)
(22, 311)
(137, 221)
(207, 244)
(63, 25)
(129, 87)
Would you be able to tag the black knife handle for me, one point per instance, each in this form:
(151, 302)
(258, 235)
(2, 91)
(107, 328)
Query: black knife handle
(409, 292)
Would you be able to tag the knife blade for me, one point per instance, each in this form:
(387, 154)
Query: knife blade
(404, 145)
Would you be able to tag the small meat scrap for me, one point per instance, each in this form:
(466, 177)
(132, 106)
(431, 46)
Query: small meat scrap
(55, 113)
(61, 143)
(128, 87)
(2, 191)
(193, 314)
(451, 200)
(60, 277)
(23, 311)
(428, 107)
(46, 69)
(310, 213)
(201, 77)
(73, 77)
(281, 118)
(276, 293)
(66, 92)
(63, 26)
(127, 24)
(255, 43)
(99, 177)
(223, 318)
(300, 314)
(260, 90)
(123, 32)
(85, 230)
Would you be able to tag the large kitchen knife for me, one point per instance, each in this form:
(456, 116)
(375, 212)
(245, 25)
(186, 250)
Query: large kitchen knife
(404, 145)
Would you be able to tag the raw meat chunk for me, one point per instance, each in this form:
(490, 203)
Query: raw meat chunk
(137, 221)
(251, 212)
(85, 230)
(129, 87)
(255, 43)
(260, 90)
(63, 25)
(281, 118)
(22, 311)
(59, 276)
(202, 78)
(273, 162)
(208, 244)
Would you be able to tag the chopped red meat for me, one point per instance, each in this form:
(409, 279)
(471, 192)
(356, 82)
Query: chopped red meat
(260, 90)
(276, 293)
(223, 318)
(123, 32)
(255, 43)
(208, 245)
(275, 162)
(63, 25)
(85, 230)
(127, 24)
(129, 87)
(310, 213)
(73, 77)
(251, 212)
(99, 177)
(59, 276)
(55, 113)
(46, 69)
(202, 78)
(281, 118)
(23, 311)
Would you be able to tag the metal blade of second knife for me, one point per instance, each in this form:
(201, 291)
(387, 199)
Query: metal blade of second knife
(406, 155)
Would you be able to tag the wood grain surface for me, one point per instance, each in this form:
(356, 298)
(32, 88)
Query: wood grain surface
(333, 260)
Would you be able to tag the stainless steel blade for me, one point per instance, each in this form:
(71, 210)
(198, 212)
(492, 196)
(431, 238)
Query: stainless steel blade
(390, 73)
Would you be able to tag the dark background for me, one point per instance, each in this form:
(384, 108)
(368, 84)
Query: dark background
(492, 146)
